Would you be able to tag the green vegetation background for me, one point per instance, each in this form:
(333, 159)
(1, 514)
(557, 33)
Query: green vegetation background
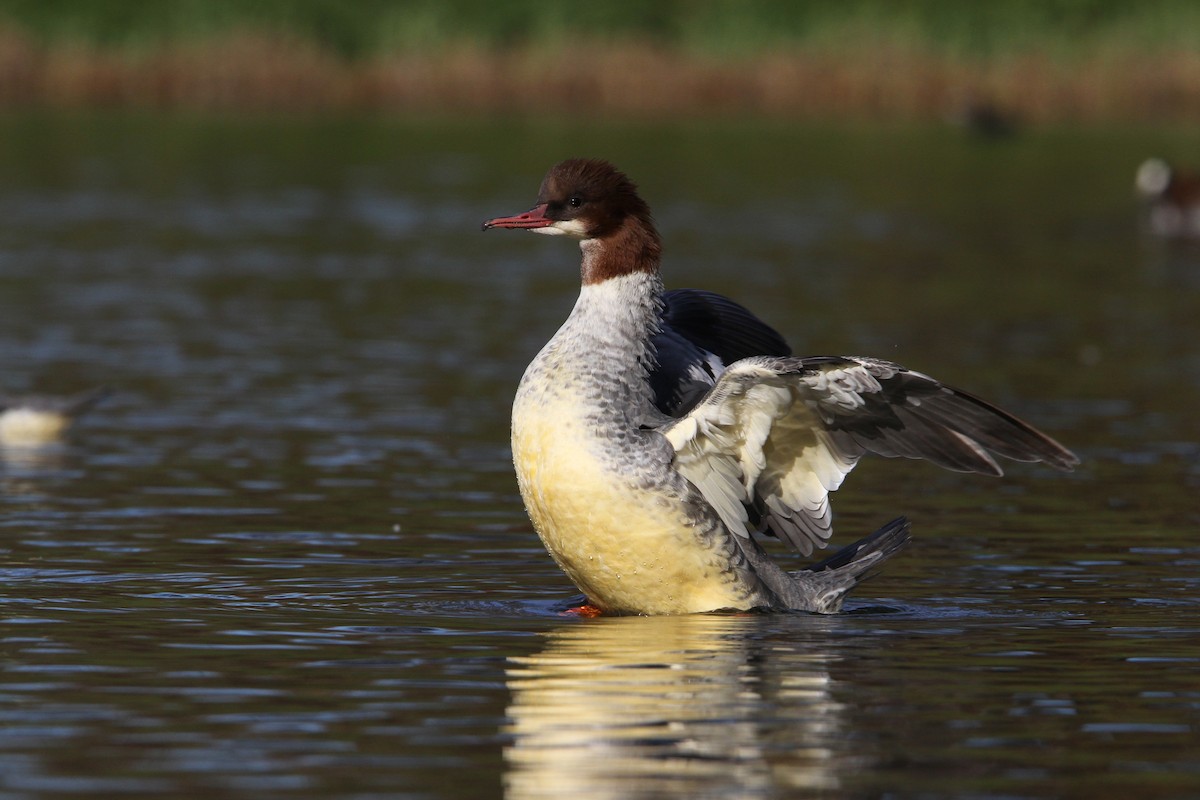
(356, 29)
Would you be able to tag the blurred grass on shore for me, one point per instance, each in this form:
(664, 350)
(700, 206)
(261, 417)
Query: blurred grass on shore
(1042, 59)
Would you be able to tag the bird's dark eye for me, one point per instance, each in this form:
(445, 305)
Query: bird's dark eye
(575, 201)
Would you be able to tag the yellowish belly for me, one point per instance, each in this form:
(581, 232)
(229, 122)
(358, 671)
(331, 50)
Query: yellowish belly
(624, 547)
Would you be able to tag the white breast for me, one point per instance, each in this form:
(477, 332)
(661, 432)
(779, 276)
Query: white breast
(595, 485)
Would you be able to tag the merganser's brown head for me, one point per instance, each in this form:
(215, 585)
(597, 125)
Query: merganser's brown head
(590, 199)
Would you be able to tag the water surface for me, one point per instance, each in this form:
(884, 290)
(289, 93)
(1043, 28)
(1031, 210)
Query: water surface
(287, 557)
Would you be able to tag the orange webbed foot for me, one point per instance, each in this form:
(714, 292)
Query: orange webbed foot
(587, 611)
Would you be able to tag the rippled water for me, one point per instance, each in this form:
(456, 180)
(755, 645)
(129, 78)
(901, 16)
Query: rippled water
(287, 558)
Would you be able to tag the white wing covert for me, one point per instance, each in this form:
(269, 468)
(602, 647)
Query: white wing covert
(776, 435)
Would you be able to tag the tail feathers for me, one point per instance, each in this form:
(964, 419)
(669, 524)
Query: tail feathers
(853, 564)
(868, 553)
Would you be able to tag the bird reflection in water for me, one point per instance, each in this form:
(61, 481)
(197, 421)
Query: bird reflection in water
(687, 706)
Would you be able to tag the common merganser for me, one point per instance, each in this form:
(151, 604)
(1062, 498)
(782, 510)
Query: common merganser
(656, 431)
(31, 420)
(1172, 198)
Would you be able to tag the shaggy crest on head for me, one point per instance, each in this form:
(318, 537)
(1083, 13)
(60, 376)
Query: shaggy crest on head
(659, 432)
(591, 200)
(594, 190)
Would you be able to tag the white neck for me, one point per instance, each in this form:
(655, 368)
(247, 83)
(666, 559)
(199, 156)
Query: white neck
(603, 349)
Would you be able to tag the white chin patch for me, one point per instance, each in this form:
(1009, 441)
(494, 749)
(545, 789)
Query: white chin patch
(570, 227)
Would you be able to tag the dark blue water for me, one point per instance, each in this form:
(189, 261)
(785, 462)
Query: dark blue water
(287, 557)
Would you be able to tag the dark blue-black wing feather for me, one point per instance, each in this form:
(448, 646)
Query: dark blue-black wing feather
(700, 334)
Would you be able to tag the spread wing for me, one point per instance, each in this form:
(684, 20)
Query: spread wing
(699, 334)
(776, 435)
